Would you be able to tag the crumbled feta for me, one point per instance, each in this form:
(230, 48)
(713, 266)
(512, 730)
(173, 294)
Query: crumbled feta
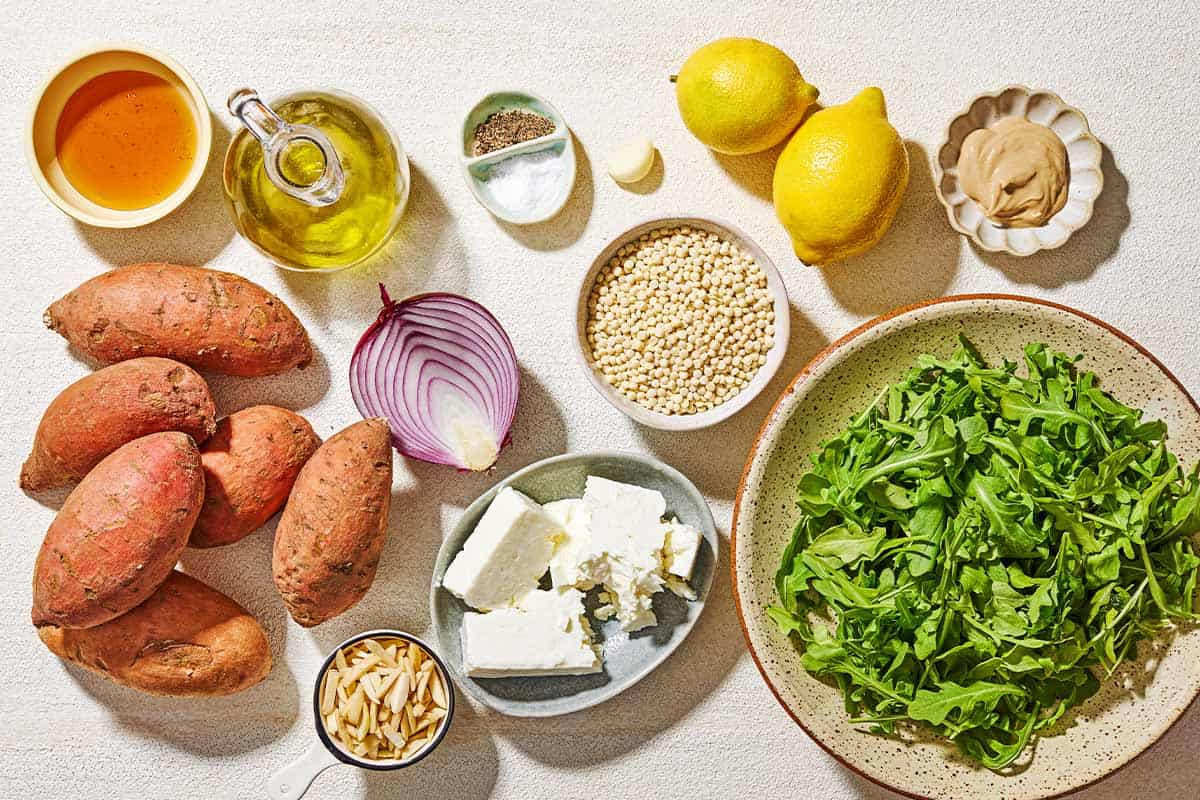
(680, 548)
(571, 515)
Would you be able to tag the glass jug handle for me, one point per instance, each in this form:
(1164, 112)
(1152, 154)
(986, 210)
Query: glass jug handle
(277, 137)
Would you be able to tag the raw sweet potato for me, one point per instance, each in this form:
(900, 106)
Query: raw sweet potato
(187, 639)
(328, 541)
(97, 414)
(119, 533)
(250, 464)
(211, 320)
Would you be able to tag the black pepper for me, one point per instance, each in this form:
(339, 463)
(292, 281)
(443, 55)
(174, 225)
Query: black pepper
(506, 128)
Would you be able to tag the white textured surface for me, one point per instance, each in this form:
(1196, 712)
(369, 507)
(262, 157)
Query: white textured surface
(704, 725)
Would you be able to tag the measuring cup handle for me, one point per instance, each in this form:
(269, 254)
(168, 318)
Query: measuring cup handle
(291, 782)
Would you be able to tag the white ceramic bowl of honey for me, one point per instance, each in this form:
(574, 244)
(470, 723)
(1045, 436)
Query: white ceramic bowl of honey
(119, 136)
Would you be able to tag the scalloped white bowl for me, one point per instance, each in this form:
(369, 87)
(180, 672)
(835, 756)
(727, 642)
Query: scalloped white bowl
(1083, 153)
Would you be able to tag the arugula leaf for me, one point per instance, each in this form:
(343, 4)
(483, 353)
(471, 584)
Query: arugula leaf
(987, 546)
(951, 698)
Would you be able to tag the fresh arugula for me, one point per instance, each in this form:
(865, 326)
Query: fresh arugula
(987, 544)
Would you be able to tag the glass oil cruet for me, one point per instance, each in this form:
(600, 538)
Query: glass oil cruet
(316, 180)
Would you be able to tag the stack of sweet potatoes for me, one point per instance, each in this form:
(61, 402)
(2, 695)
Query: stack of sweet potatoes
(158, 472)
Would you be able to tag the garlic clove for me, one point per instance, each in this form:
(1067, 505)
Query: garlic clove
(632, 160)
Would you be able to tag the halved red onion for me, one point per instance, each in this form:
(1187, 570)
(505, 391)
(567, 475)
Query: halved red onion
(443, 373)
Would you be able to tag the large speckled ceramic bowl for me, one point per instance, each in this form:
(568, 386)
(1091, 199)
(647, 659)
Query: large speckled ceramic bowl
(628, 657)
(1130, 712)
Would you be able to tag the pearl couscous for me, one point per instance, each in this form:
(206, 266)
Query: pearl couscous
(680, 320)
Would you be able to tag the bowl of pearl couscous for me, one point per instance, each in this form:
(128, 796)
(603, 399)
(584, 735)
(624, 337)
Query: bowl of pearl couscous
(681, 322)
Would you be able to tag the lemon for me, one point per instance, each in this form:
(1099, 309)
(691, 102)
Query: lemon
(741, 96)
(839, 181)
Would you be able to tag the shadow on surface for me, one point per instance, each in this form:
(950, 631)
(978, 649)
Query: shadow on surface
(565, 227)
(296, 389)
(419, 258)
(653, 179)
(218, 726)
(194, 233)
(916, 259)
(755, 172)
(1088, 247)
(642, 713)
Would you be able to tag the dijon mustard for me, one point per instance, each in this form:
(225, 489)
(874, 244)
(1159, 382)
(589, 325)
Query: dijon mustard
(1017, 171)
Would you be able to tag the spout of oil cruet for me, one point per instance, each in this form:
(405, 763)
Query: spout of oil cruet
(299, 159)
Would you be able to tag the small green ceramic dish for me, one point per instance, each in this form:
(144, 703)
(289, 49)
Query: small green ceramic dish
(627, 657)
(1134, 707)
(555, 150)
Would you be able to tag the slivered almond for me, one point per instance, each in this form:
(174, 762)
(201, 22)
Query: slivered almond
(422, 686)
(385, 683)
(405, 726)
(410, 719)
(437, 691)
(364, 725)
(329, 692)
(399, 694)
(352, 713)
(368, 684)
(410, 666)
(378, 650)
(393, 736)
(361, 667)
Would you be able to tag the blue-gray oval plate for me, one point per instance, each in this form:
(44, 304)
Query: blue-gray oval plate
(628, 657)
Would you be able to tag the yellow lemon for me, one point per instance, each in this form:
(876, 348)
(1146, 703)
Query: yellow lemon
(741, 96)
(839, 181)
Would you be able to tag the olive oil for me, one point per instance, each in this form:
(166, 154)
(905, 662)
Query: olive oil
(126, 139)
(327, 233)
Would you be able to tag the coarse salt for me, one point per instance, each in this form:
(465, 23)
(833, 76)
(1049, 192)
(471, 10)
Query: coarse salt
(527, 182)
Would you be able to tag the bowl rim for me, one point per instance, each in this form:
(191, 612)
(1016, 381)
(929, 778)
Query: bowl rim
(761, 379)
(939, 172)
(802, 376)
(708, 526)
(133, 218)
(392, 764)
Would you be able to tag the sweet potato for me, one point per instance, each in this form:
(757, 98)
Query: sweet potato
(187, 639)
(119, 533)
(250, 464)
(210, 320)
(97, 414)
(328, 541)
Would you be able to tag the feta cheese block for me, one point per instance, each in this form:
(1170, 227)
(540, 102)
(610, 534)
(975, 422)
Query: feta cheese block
(617, 511)
(545, 634)
(506, 555)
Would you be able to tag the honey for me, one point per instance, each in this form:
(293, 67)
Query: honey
(126, 139)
